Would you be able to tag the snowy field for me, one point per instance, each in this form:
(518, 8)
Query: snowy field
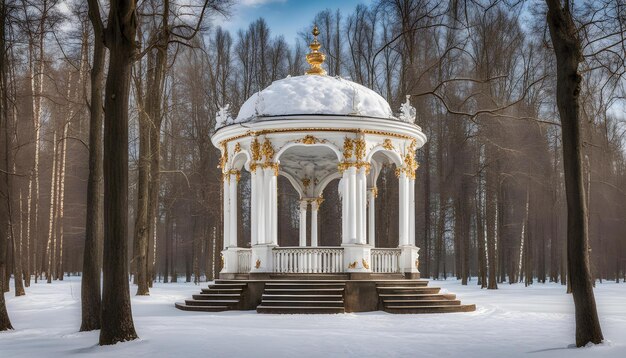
(513, 321)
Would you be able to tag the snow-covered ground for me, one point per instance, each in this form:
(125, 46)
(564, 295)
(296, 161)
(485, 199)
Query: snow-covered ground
(513, 321)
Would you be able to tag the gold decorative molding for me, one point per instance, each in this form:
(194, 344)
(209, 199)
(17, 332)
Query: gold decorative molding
(224, 158)
(375, 191)
(343, 166)
(222, 260)
(268, 150)
(352, 265)
(309, 139)
(387, 144)
(255, 148)
(257, 264)
(417, 264)
(348, 148)
(366, 265)
(227, 174)
(306, 182)
(359, 149)
(237, 148)
(252, 133)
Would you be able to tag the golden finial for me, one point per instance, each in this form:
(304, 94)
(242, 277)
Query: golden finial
(315, 58)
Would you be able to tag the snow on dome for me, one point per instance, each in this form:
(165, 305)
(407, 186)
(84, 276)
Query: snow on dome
(314, 95)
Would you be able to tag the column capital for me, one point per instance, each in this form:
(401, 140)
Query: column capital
(304, 203)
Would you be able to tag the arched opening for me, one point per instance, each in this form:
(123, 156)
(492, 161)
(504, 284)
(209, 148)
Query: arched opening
(330, 216)
(308, 168)
(387, 201)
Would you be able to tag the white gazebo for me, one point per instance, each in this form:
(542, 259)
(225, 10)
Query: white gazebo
(313, 129)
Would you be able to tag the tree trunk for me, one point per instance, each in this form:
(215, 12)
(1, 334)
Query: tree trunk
(90, 284)
(568, 53)
(5, 322)
(117, 320)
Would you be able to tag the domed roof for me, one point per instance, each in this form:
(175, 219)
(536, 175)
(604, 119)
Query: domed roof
(310, 95)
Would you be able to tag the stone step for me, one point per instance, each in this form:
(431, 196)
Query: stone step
(228, 285)
(221, 290)
(211, 303)
(430, 309)
(216, 296)
(303, 303)
(404, 283)
(299, 310)
(304, 291)
(421, 303)
(407, 290)
(422, 297)
(184, 307)
(300, 285)
(288, 297)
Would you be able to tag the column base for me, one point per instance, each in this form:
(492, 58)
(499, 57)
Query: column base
(356, 258)
(262, 258)
(409, 259)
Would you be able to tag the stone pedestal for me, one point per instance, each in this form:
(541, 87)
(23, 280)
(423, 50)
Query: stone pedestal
(262, 258)
(409, 259)
(357, 258)
(230, 258)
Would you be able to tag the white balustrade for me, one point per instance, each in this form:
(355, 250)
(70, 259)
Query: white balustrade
(308, 260)
(244, 260)
(386, 260)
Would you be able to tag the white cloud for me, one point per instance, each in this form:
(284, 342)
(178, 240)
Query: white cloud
(258, 2)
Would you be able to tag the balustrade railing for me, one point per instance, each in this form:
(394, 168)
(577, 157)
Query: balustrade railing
(244, 260)
(385, 260)
(308, 260)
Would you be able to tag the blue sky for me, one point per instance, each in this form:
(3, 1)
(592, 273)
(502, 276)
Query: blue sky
(284, 17)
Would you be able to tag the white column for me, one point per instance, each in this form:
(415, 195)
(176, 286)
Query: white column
(261, 205)
(226, 209)
(233, 207)
(315, 204)
(345, 206)
(403, 211)
(412, 211)
(371, 228)
(254, 212)
(303, 212)
(352, 208)
(362, 205)
(272, 206)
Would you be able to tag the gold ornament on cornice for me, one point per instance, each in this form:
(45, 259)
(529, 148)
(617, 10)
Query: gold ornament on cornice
(309, 139)
(268, 150)
(315, 58)
(224, 158)
(359, 148)
(387, 144)
(348, 148)
(255, 148)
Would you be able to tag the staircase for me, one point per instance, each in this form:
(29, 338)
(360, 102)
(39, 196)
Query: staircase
(223, 295)
(302, 296)
(414, 296)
